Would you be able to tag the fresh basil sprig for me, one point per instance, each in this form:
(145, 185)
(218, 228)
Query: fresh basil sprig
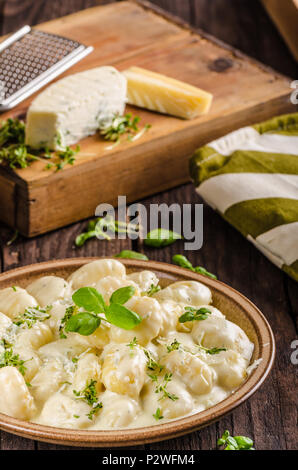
(160, 237)
(130, 254)
(193, 314)
(182, 261)
(88, 298)
(236, 442)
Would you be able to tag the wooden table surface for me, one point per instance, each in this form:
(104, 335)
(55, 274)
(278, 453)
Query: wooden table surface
(270, 416)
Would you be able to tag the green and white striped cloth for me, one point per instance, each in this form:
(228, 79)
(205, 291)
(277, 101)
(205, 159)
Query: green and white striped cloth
(250, 177)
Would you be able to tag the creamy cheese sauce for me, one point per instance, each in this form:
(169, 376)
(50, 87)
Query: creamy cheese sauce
(159, 371)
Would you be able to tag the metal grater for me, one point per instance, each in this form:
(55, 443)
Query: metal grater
(29, 59)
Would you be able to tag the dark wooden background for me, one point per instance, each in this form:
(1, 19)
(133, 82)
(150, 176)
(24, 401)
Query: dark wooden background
(270, 416)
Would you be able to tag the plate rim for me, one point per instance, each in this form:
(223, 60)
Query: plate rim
(179, 426)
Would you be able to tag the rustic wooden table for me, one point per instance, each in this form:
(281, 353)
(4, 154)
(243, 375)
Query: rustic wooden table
(270, 416)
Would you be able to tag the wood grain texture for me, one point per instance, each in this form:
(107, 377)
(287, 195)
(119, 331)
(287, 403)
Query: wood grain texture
(285, 16)
(244, 93)
(270, 416)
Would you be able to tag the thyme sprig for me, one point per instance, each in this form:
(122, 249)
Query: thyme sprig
(89, 396)
(9, 358)
(32, 315)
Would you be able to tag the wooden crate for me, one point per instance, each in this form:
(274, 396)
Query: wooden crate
(35, 201)
(284, 14)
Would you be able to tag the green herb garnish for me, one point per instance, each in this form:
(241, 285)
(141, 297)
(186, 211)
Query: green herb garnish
(16, 154)
(85, 323)
(162, 388)
(160, 237)
(151, 363)
(89, 396)
(157, 415)
(212, 351)
(130, 254)
(120, 125)
(173, 346)
(8, 358)
(133, 343)
(235, 443)
(152, 290)
(66, 157)
(68, 314)
(32, 315)
(182, 261)
(193, 314)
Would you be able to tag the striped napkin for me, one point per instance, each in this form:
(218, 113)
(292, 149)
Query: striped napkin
(250, 177)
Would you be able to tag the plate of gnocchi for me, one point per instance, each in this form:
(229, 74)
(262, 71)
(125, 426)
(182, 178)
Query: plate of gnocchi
(109, 352)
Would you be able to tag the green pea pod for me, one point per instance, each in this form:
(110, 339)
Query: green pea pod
(182, 261)
(130, 254)
(160, 237)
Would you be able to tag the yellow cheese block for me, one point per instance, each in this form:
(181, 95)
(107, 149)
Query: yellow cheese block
(166, 95)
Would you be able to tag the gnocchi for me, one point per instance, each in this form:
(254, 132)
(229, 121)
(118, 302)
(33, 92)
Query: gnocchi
(111, 376)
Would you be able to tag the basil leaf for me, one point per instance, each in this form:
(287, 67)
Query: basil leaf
(130, 254)
(122, 317)
(182, 261)
(84, 323)
(160, 237)
(192, 315)
(187, 316)
(90, 299)
(122, 295)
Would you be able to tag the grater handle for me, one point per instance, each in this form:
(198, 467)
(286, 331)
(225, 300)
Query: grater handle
(14, 37)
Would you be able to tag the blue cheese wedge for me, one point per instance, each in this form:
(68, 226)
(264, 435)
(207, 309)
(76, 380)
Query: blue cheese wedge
(75, 107)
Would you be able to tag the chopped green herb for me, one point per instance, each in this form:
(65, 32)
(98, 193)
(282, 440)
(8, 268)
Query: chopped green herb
(160, 237)
(120, 125)
(152, 290)
(162, 388)
(151, 363)
(133, 343)
(8, 358)
(182, 261)
(32, 315)
(69, 312)
(212, 351)
(66, 157)
(16, 154)
(14, 288)
(173, 346)
(157, 415)
(235, 443)
(89, 396)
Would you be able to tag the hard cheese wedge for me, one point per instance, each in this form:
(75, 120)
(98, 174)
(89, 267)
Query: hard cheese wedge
(75, 107)
(166, 95)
